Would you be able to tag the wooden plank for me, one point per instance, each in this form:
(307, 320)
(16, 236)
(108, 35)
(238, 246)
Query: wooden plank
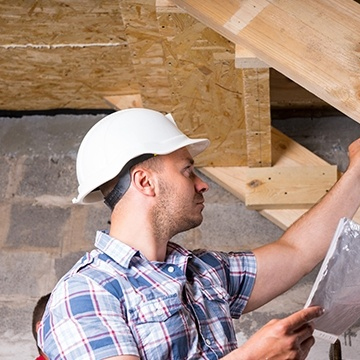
(313, 42)
(120, 102)
(286, 152)
(288, 187)
(256, 96)
(245, 59)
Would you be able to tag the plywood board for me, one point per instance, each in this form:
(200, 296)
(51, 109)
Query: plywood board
(206, 92)
(147, 53)
(58, 56)
(313, 42)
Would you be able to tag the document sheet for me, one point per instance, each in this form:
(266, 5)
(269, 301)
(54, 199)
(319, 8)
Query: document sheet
(337, 286)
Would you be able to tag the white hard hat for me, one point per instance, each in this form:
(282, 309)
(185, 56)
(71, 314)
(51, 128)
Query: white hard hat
(120, 137)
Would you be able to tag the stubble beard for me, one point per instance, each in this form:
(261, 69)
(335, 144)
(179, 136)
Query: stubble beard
(169, 217)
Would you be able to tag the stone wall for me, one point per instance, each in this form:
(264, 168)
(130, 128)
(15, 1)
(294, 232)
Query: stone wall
(42, 234)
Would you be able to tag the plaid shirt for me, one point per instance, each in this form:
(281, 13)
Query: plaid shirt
(114, 301)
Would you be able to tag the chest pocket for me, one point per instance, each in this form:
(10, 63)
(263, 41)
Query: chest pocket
(158, 327)
(155, 310)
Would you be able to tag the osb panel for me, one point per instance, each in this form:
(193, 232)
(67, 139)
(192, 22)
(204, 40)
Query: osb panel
(53, 22)
(206, 88)
(63, 78)
(146, 53)
(62, 54)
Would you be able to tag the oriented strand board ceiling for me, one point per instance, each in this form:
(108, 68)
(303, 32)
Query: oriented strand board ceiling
(79, 55)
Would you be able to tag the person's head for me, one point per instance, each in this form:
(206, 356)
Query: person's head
(179, 193)
(120, 142)
(38, 313)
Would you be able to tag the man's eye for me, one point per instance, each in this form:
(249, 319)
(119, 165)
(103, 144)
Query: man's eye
(188, 170)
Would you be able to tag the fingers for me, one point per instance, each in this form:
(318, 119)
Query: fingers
(303, 316)
(288, 338)
(304, 333)
(306, 346)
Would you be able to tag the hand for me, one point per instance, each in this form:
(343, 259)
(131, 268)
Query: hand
(288, 338)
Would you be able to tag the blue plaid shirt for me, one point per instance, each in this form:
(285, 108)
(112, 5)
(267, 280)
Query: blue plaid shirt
(114, 301)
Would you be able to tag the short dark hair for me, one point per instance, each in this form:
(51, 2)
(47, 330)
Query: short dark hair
(39, 312)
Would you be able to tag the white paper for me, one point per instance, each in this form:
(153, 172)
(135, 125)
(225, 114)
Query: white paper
(337, 286)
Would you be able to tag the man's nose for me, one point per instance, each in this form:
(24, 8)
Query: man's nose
(200, 185)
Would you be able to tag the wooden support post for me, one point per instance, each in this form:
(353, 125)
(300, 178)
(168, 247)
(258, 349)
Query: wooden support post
(256, 97)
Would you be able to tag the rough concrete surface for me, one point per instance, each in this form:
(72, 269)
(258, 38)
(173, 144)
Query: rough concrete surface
(42, 234)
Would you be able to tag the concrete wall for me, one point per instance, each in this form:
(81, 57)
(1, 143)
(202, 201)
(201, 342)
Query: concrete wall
(42, 234)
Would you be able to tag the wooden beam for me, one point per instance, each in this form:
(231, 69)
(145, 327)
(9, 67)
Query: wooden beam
(313, 42)
(288, 187)
(256, 98)
(286, 152)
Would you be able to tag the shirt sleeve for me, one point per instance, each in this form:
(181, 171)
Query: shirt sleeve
(83, 321)
(242, 275)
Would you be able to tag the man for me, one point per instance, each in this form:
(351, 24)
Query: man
(140, 296)
(36, 318)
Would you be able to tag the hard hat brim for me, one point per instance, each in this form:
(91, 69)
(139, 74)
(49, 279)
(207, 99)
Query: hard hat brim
(194, 146)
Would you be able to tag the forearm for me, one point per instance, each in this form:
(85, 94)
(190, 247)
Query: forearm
(312, 233)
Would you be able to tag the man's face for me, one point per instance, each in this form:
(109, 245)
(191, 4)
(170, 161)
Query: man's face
(180, 198)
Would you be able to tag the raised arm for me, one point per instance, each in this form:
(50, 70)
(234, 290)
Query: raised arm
(284, 262)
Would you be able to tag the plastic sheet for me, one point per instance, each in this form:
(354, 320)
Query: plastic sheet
(337, 286)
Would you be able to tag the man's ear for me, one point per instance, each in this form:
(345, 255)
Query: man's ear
(143, 181)
(37, 325)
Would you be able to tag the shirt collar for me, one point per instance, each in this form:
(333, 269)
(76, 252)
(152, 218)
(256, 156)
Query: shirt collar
(123, 254)
(177, 255)
(117, 250)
